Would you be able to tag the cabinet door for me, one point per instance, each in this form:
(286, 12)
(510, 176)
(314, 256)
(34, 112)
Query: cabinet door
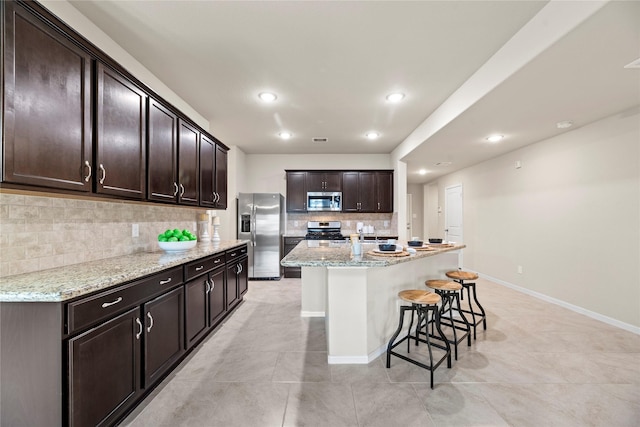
(289, 244)
(207, 172)
(350, 192)
(296, 192)
(217, 303)
(188, 139)
(104, 370)
(243, 279)
(368, 196)
(315, 181)
(162, 153)
(221, 177)
(196, 310)
(47, 105)
(333, 181)
(384, 187)
(164, 334)
(232, 285)
(121, 136)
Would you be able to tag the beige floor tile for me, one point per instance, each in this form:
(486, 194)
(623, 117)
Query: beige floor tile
(320, 404)
(302, 366)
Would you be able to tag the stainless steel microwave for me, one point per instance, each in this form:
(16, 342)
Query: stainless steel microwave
(324, 201)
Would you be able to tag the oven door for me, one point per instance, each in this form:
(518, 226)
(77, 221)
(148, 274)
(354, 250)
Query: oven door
(324, 201)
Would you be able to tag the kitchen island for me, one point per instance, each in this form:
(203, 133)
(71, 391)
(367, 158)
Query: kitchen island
(357, 295)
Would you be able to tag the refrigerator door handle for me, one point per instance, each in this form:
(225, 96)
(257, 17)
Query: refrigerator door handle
(253, 225)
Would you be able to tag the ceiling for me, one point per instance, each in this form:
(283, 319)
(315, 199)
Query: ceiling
(332, 63)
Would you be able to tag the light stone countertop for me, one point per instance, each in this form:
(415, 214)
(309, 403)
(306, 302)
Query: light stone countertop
(308, 254)
(63, 283)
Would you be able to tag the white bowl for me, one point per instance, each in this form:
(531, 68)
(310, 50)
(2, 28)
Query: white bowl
(177, 246)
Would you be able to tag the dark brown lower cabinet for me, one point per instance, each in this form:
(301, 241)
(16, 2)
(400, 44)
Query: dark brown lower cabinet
(289, 244)
(233, 296)
(205, 304)
(243, 278)
(104, 370)
(164, 336)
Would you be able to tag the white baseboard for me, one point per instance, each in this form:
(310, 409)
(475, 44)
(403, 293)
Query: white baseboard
(357, 360)
(312, 313)
(597, 316)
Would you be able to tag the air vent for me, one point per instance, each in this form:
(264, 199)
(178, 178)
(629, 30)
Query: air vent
(443, 164)
(320, 140)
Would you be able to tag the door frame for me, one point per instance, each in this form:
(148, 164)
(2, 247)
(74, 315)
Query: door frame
(446, 215)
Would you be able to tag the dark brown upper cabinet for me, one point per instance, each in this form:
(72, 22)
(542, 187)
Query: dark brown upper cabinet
(162, 154)
(188, 152)
(213, 174)
(221, 177)
(324, 181)
(367, 191)
(296, 192)
(47, 130)
(121, 122)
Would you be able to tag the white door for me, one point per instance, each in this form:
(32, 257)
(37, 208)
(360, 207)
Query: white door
(453, 213)
(409, 216)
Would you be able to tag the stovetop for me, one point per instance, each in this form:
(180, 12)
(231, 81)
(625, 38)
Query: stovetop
(324, 230)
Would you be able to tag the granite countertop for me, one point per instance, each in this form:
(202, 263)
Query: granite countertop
(308, 254)
(63, 283)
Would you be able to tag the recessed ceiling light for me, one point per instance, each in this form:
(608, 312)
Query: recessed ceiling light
(285, 135)
(268, 96)
(372, 135)
(395, 97)
(494, 138)
(422, 171)
(564, 124)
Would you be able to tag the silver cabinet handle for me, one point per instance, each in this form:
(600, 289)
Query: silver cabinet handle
(107, 304)
(378, 205)
(213, 285)
(150, 320)
(88, 177)
(199, 268)
(140, 326)
(217, 197)
(213, 197)
(217, 261)
(104, 173)
(181, 190)
(175, 189)
(241, 268)
(208, 289)
(164, 282)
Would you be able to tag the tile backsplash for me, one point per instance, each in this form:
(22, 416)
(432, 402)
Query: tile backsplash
(38, 232)
(384, 224)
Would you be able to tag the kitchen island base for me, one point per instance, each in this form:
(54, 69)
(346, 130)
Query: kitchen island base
(360, 303)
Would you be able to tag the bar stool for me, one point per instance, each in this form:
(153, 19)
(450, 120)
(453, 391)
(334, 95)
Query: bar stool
(460, 277)
(422, 303)
(448, 290)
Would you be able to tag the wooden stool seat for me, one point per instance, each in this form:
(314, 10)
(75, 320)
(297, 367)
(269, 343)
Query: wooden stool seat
(416, 296)
(444, 285)
(461, 275)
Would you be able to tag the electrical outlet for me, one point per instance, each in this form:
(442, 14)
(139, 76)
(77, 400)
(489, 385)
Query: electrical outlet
(135, 230)
(519, 269)
(295, 223)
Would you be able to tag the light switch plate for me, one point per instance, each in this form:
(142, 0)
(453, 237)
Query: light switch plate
(135, 230)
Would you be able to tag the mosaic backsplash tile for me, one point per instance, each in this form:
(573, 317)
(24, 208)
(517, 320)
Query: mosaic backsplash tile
(41, 232)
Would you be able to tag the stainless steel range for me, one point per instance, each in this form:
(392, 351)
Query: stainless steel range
(324, 230)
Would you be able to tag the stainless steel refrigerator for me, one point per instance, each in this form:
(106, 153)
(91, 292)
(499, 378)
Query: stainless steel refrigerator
(261, 221)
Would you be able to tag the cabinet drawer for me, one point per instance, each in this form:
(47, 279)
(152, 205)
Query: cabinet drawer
(202, 266)
(236, 253)
(91, 310)
(293, 240)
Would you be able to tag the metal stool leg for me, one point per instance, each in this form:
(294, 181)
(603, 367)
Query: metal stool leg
(396, 333)
(475, 298)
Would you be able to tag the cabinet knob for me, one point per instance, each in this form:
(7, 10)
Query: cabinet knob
(150, 322)
(88, 177)
(104, 173)
(139, 326)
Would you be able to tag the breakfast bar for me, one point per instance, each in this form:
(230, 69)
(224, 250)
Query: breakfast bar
(357, 294)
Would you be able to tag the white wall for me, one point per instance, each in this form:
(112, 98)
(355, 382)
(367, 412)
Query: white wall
(570, 217)
(264, 173)
(417, 206)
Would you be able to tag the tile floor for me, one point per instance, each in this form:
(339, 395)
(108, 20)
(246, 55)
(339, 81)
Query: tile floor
(537, 365)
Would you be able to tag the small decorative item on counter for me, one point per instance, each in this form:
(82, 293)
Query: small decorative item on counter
(203, 228)
(216, 226)
(176, 240)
